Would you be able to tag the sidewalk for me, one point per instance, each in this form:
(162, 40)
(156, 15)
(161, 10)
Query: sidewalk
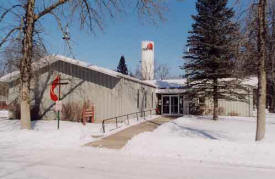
(118, 140)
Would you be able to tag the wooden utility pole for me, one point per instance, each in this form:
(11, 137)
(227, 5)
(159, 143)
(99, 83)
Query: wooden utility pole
(260, 132)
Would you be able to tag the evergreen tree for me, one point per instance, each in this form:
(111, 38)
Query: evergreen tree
(122, 67)
(210, 58)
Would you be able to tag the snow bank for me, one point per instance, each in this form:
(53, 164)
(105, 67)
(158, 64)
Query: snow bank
(229, 140)
(44, 134)
(4, 114)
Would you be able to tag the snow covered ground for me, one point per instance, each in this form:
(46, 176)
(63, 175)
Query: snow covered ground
(229, 140)
(4, 114)
(46, 135)
(189, 147)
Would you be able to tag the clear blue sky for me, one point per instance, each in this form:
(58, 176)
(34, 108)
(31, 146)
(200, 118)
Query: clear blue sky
(123, 36)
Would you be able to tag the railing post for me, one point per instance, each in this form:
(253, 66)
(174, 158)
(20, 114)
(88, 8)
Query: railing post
(144, 115)
(116, 123)
(103, 126)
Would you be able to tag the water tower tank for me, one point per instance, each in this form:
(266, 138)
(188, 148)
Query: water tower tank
(147, 60)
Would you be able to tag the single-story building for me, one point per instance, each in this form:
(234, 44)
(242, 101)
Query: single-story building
(111, 93)
(3, 95)
(172, 99)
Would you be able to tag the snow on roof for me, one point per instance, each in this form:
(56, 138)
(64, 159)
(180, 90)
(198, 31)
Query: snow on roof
(176, 84)
(101, 69)
(252, 81)
(86, 65)
(168, 84)
(9, 76)
(53, 58)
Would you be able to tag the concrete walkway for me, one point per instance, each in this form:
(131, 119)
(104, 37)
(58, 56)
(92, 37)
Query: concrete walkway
(118, 140)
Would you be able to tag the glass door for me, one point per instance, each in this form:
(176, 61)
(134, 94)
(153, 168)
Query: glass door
(166, 105)
(170, 104)
(174, 105)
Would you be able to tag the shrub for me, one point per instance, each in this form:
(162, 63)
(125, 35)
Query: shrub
(221, 111)
(14, 108)
(195, 109)
(233, 113)
(71, 111)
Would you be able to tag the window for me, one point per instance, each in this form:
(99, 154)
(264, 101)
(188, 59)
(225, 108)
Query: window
(138, 99)
(152, 100)
(145, 100)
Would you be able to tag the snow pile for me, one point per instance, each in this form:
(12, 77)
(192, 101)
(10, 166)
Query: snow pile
(229, 140)
(44, 134)
(4, 114)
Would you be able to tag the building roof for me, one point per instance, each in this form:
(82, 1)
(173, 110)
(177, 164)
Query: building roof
(170, 86)
(174, 86)
(170, 83)
(54, 58)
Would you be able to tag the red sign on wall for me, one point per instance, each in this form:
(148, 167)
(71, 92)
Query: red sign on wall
(54, 97)
(150, 46)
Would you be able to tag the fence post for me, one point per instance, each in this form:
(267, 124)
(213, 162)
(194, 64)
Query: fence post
(103, 126)
(128, 119)
(150, 112)
(116, 123)
(144, 115)
(137, 116)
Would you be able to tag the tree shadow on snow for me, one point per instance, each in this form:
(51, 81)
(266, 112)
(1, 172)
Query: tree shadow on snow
(197, 131)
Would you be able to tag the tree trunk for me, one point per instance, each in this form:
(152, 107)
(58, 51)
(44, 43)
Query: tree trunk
(260, 132)
(25, 65)
(215, 100)
(272, 107)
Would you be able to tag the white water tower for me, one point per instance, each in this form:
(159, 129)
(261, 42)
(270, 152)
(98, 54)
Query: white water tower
(147, 60)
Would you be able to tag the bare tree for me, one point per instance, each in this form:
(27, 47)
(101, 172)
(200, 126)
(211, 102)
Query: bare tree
(161, 71)
(246, 63)
(137, 72)
(90, 14)
(258, 52)
(271, 56)
(11, 55)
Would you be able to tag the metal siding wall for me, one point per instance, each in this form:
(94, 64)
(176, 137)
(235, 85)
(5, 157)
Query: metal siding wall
(111, 96)
(237, 107)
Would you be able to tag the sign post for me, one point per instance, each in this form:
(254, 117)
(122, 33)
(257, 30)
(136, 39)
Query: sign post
(55, 98)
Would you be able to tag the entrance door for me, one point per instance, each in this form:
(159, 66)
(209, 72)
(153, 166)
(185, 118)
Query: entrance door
(170, 104)
(174, 105)
(166, 105)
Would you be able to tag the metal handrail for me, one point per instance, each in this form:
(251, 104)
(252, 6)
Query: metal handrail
(116, 118)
